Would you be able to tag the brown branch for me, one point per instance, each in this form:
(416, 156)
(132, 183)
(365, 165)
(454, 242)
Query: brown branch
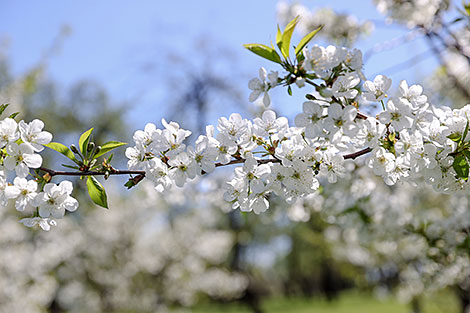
(90, 173)
(141, 174)
(357, 154)
(455, 80)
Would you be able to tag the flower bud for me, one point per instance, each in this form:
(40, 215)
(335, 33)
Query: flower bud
(74, 149)
(90, 146)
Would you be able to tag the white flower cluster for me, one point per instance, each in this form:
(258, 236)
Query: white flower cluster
(413, 12)
(408, 141)
(20, 144)
(81, 267)
(415, 234)
(262, 85)
(337, 27)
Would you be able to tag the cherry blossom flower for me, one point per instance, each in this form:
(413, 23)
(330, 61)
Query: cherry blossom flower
(24, 191)
(377, 90)
(33, 134)
(262, 85)
(21, 158)
(55, 199)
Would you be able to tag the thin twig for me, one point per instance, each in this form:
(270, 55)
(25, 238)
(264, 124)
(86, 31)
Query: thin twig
(438, 54)
(52, 172)
(90, 173)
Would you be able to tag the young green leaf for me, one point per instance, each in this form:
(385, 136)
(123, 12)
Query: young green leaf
(3, 107)
(13, 115)
(264, 51)
(454, 137)
(97, 192)
(110, 145)
(279, 38)
(304, 41)
(289, 90)
(466, 7)
(83, 141)
(286, 37)
(467, 154)
(62, 149)
(461, 166)
(465, 132)
(71, 166)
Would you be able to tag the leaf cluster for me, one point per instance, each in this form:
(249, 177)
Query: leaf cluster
(86, 159)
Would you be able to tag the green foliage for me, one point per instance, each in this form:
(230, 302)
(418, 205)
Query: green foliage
(97, 192)
(465, 132)
(466, 6)
(283, 42)
(304, 41)
(83, 141)
(13, 115)
(264, 51)
(287, 35)
(279, 37)
(63, 150)
(3, 108)
(461, 167)
(110, 145)
(454, 137)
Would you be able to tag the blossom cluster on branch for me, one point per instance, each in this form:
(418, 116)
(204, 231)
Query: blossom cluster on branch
(20, 144)
(409, 140)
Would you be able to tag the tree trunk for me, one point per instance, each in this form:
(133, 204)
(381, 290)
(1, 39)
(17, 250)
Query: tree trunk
(415, 305)
(464, 298)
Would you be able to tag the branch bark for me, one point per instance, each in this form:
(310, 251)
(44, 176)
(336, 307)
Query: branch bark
(53, 173)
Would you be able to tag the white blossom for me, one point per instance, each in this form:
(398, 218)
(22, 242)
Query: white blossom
(21, 158)
(8, 131)
(344, 86)
(377, 90)
(33, 134)
(55, 199)
(44, 223)
(262, 85)
(24, 191)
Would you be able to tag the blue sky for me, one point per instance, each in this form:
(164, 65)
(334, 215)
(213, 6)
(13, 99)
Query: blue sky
(116, 42)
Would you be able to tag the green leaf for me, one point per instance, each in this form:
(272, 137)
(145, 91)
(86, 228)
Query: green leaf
(304, 41)
(461, 166)
(279, 38)
(83, 141)
(62, 149)
(466, 6)
(108, 160)
(110, 145)
(467, 154)
(454, 137)
(3, 107)
(13, 115)
(264, 51)
(465, 132)
(97, 192)
(71, 166)
(289, 90)
(286, 37)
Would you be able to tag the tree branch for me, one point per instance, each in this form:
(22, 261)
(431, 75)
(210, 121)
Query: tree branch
(460, 87)
(357, 154)
(53, 173)
(90, 173)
